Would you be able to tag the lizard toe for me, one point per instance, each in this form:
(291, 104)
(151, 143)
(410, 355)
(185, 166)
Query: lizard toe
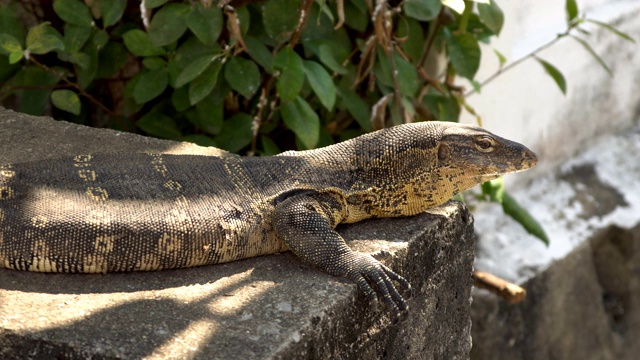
(377, 283)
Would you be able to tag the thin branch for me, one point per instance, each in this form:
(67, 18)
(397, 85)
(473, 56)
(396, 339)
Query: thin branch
(70, 83)
(340, 10)
(145, 14)
(257, 120)
(508, 291)
(234, 27)
(429, 43)
(304, 14)
(37, 87)
(519, 61)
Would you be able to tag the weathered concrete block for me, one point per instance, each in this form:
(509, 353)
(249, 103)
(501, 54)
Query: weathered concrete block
(271, 307)
(584, 306)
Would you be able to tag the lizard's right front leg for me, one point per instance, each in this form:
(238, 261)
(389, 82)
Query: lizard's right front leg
(305, 223)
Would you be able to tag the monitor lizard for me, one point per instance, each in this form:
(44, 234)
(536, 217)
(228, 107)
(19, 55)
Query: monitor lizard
(97, 213)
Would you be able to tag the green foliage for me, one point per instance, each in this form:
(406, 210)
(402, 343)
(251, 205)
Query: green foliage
(495, 192)
(291, 77)
(66, 100)
(555, 74)
(261, 78)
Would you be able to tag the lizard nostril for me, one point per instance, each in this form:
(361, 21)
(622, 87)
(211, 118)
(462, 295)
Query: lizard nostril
(530, 156)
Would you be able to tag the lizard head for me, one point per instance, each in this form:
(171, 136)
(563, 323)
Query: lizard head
(474, 155)
(409, 168)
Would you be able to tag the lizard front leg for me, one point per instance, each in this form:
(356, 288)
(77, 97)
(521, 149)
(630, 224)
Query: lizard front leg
(305, 223)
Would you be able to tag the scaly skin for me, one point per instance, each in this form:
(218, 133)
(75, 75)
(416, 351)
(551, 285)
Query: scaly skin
(134, 212)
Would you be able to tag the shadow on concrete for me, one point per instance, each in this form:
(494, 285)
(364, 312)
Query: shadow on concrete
(62, 283)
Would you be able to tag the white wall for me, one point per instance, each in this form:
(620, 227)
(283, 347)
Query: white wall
(525, 105)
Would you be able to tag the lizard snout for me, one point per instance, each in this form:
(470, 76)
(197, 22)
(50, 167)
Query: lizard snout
(530, 159)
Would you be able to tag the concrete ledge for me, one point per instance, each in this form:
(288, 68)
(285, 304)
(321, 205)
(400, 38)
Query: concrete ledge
(272, 307)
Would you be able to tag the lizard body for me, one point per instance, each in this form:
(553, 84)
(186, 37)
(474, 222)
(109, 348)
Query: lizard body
(132, 212)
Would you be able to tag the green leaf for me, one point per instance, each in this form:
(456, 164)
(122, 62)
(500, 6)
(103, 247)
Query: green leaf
(280, 18)
(10, 22)
(75, 37)
(235, 133)
(494, 189)
(259, 52)
(571, 7)
(159, 125)
(423, 10)
(152, 83)
(408, 79)
(168, 24)
(204, 84)
(35, 86)
(152, 63)
(66, 100)
(205, 23)
(269, 147)
(111, 11)
(492, 16)
(73, 12)
(194, 69)
(210, 116)
(89, 69)
(152, 4)
(14, 57)
(291, 78)
(221, 91)
(243, 76)
(111, 59)
(464, 53)
(511, 207)
(191, 50)
(357, 107)
(555, 74)
(444, 108)
(328, 57)
(355, 17)
(42, 39)
(302, 120)
(9, 44)
(180, 99)
(138, 43)
(100, 38)
(501, 58)
(81, 59)
(320, 27)
(612, 29)
(202, 140)
(321, 83)
(414, 43)
(594, 54)
(322, 4)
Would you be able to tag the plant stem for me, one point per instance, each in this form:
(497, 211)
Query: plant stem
(74, 85)
(464, 19)
(517, 62)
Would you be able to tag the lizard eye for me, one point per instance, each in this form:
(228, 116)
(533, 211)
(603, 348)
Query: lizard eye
(484, 144)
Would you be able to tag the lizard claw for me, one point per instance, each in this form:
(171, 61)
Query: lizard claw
(377, 282)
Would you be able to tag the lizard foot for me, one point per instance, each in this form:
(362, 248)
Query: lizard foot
(377, 282)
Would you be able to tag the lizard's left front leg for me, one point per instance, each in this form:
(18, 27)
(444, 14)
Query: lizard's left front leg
(305, 223)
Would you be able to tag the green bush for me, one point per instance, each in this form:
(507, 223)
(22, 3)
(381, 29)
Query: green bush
(258, 78)
(254, 77)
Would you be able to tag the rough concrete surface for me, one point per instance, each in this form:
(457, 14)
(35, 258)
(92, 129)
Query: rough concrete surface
(583, 291)
(271, 307)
